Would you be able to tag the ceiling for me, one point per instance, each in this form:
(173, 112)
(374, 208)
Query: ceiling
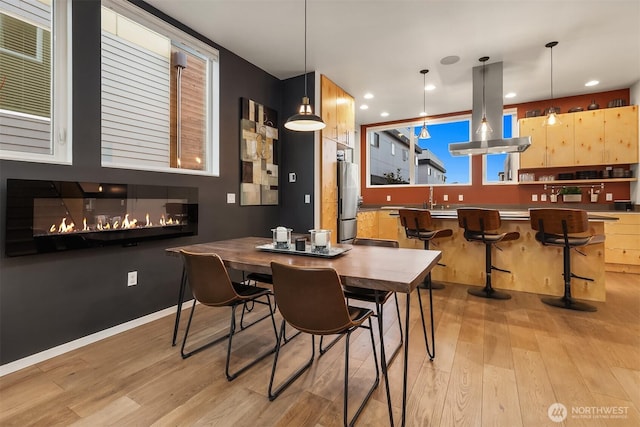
(379, 46)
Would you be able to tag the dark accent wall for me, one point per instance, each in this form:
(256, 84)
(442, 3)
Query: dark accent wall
(47, 300)
(297, 157)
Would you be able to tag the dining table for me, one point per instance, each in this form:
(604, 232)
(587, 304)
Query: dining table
(398, 270)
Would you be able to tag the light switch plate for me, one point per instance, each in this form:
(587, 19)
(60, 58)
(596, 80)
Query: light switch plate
(609, 197)
(388, 198)
(534, 197)
(460, 197)
(231, 197)
(445, 197)
(307, 198)
(543, 197)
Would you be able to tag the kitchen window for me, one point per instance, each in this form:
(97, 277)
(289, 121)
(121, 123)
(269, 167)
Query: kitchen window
(35, 81)
(429, 161)
(159, 95)
(503, 167)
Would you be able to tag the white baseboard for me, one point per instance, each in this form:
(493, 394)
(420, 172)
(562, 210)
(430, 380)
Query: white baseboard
(89, 339)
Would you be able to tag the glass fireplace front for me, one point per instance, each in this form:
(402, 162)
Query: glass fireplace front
(49, 216)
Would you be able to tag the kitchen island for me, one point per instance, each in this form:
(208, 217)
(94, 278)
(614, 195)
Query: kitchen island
(534, 267)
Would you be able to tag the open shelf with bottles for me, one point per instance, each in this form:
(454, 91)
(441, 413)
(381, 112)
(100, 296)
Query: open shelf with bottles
(579, 181)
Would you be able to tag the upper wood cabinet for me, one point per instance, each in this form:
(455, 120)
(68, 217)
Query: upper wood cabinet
(551, 146)
(596, 137)
(338, 112)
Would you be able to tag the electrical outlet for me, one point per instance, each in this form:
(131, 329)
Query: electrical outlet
(307, 198)
(460, 197)
(132, 278)
(231, 197)
(445, 197)
(543, 197)
(388, 198)
(292, 177)
(534, 197)
(609, 197)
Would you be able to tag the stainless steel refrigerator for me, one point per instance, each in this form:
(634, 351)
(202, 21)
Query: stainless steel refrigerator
(348, 192)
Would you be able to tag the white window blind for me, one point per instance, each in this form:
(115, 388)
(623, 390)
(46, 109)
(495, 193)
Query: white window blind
(135, 104)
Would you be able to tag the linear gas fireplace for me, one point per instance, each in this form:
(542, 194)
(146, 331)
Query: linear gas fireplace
(50, 216)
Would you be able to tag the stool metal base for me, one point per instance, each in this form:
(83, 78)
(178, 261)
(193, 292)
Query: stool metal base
(569, 303)
(489, 293)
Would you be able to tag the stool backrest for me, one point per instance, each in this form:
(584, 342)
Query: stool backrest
(310, 299)
(361, 241)
(551, 220)
(409, 220)
(479, 220)
(208, 279)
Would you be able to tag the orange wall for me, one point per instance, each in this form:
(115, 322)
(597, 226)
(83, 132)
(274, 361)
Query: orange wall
(476, 193)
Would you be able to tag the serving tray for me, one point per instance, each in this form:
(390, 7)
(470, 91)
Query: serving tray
(331, 253)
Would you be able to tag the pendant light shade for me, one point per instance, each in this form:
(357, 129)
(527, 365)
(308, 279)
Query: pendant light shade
(552, 118)
(484, 130)
(305, 120)
(424, 133)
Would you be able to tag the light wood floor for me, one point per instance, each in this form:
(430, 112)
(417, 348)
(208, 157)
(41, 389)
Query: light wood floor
(498, 363)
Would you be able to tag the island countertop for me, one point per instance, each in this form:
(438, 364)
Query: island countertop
(505, 214)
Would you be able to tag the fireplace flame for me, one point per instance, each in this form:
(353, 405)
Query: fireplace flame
(126, 223)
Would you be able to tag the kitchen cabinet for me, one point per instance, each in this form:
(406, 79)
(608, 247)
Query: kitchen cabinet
(607, 136)
(622, 243)
(338, 113)
(621, 135)
(368, 224)
(596, 137)
(551, 146)
(378, 224)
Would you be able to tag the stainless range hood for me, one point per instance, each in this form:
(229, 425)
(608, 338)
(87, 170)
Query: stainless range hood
(493, 110)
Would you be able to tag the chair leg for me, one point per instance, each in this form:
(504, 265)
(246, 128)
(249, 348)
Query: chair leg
(488, 291)
(346, 378)
(428, 283)
(379, 315)
(247, 309)
(322, 350)
(383, 357)
(273, 394)
(186, 333)
(566, 301)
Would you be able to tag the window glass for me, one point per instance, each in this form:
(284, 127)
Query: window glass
(423, 161)
(35, 108)
(159, 95)
(503, 167)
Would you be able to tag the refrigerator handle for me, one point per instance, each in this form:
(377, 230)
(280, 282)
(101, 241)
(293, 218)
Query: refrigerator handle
(340, 207)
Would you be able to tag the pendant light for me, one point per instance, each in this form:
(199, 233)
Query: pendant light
(424, 133)
(552, 118)
(485, 128)
(305, 120)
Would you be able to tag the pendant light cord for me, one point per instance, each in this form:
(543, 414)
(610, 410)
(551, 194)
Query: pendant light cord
(551, 76)
(305, 49)
(424, 98)
(484, 107)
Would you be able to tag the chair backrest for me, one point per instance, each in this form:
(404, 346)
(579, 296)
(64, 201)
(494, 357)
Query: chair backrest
(310, 299)
(361, 241)
(478, 220)
(409, 220)
(208, 279)
(551, 220)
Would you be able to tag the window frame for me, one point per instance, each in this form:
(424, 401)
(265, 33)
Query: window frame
(185, 41)
(515, 132)
(413, 140)
(61, 117)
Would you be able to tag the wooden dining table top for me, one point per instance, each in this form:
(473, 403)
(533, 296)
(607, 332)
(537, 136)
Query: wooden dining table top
(371, 267)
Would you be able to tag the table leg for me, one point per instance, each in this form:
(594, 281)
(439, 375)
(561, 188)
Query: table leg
(406, 360)
(183, 286)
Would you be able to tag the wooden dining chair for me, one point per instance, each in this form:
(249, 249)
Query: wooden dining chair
(565, 228)
(483, 225)
(211, 286)
(311, 300)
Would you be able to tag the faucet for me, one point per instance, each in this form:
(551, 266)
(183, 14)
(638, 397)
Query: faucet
(432, 202)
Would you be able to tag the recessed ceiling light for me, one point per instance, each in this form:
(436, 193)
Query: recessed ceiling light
(510, 95)
(592, 83)
(364, 107)
(429, 87)
(384, 114)
(448, 60)
(368, 95)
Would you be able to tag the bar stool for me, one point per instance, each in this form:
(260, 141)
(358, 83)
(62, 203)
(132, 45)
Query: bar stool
(480, 225)
(418, 224)
(554, 228)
